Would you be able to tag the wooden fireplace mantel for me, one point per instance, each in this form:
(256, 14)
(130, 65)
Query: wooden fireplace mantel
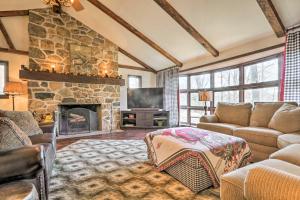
(57, 77)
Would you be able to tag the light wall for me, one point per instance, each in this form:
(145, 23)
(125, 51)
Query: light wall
(14, 65)
(148, 80)
(248, 47)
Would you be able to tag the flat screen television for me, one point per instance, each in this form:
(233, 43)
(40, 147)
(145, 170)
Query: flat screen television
(145, 98)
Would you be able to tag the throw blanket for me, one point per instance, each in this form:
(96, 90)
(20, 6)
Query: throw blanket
(216, 152)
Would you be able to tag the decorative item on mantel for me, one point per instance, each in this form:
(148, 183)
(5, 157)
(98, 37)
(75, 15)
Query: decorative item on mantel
(37, 74)
(205, 96)
(69, 77)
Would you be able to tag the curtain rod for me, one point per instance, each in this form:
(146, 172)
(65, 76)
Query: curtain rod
(293, 27)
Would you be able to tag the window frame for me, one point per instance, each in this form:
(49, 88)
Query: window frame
(241, 87)
(6, 76)
(135, 76)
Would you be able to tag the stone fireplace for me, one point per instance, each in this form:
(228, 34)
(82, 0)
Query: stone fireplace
(60, 44)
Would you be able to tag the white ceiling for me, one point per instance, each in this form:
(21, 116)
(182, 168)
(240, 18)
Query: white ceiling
(224, 23)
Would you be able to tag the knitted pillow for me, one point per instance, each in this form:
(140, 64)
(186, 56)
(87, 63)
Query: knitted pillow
(11, 136)
(24, 120)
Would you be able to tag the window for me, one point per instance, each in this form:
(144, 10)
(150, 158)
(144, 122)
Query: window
(256, 81)
(226, 96)
(183, 82)
(227, 78)
(195, 116)
(268, 94)
(134, 81)
(3, 77)
(183, 99)
(200, 81)
(262, 72)
(183, 116)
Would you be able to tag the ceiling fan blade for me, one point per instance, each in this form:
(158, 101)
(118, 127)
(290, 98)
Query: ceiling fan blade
(77, 5)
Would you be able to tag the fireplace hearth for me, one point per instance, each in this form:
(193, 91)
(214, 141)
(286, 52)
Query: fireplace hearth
(79, 118)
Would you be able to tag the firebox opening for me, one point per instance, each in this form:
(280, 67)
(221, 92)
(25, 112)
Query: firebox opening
(79, 118)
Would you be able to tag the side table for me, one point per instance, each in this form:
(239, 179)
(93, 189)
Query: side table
(19, 190)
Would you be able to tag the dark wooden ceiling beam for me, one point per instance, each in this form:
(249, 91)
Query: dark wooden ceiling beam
(272, 16)
(136, 60)
(135, 68)
(133, 30)
(14, 51)
(14, 13)
(187, 26)
(6, 36)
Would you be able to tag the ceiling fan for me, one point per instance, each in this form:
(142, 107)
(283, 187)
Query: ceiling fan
(58, 4)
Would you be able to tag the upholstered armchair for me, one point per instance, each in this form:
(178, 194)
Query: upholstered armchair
(26, 153)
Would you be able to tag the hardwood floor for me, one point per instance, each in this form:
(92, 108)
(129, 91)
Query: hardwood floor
(128, 134)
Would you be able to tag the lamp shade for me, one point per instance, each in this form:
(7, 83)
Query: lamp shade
(14, 88)
(205, 96)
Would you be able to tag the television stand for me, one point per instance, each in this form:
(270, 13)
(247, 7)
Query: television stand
(145, 118)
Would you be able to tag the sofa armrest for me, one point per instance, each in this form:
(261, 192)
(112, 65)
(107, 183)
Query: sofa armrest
(209, 119)
(44, 139)
(270, 183)
(21, 163)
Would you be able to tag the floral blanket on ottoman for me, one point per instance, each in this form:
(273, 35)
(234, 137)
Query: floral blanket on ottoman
(217, 153)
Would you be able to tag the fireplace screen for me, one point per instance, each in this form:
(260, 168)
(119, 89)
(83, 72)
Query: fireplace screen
(78, 119)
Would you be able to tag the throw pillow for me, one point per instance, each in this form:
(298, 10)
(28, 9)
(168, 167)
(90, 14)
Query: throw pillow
(11, 136)
(24, 120)
(263, 112)
(234, 113)
(286, 119)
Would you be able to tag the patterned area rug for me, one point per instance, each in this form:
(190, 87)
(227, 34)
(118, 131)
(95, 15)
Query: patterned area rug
(114, 170)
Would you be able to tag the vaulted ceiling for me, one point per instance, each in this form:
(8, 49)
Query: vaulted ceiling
(157, 39)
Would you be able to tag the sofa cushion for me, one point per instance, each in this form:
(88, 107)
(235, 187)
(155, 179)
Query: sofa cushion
(286, 119)
(263, 112)
(234, 113)
(218, 127)
(11, 136)
(24, 120)
(258, 135)
(232, 183)
(288, 139)
(289, 154)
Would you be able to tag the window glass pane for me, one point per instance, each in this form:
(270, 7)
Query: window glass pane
(2, 77)
(134, 81)
(183, 82)
(227, 78)
(226, 96)
(183, 99)
(269, 94)
(262, 72)
(183, 115)
(195, 100)
(200, 81)
(195, 116)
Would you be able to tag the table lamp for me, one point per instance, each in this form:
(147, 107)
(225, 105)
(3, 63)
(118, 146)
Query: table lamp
(13, 89)
(205, 96)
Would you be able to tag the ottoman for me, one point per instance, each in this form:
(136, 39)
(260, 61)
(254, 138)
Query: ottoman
(195, 157)
(191, 174)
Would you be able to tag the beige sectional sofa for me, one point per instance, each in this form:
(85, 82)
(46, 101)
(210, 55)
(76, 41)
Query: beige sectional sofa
(267, 127)
(274, 178)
